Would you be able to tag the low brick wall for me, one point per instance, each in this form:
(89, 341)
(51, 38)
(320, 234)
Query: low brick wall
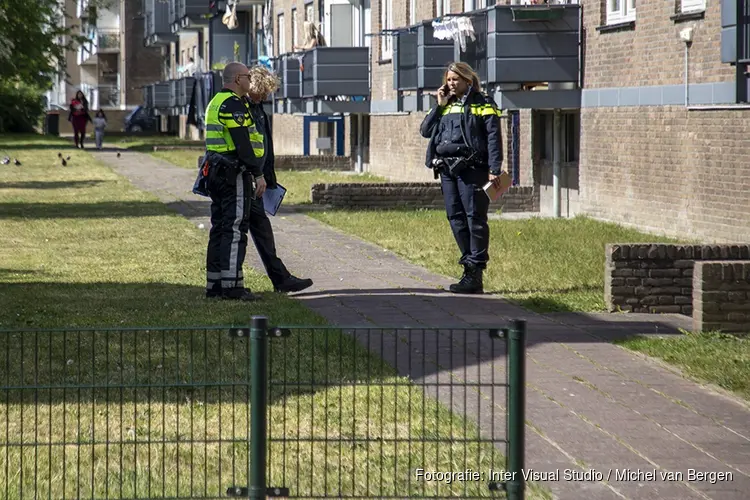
(314, 162)
(658, 278)
(411, 195)
(721, 296)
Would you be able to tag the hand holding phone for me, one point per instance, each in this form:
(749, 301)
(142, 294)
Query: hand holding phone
(443, 94)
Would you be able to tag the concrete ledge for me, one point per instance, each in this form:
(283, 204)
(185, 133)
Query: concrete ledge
(656, 277)
(410, 195)
(721, 296)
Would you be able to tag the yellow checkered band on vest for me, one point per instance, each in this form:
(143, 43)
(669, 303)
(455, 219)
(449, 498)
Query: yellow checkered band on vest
(476, 109)
(219, 124)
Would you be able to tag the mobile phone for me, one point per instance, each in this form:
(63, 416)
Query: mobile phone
(445, 89)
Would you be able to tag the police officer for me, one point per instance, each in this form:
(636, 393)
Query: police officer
(262, 83)
(465, 151)
(235, 153)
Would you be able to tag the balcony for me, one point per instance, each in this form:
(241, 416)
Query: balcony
(158, 23)
(335, 80)
(157, 96)
(109, 96)
(288, 98)
(185, 91)
(516, 47)
(174, 92)
(735, 44)
(419, 61)
(82, 9)
(189, 14)
(108, 41)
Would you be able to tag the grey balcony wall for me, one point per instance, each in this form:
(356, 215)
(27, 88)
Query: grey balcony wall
(334, 71)
(545, 50)
(288, 65)
(223, 40)
(419, 59)
(192, 8)
(174, 92)
(172, 11)
(185, 90)
(160, 95)
(161, 18)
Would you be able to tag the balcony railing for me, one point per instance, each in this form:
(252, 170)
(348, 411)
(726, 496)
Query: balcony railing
(108, 40)
(514, 46)
(185, 91)
(289, 72)
(158, 95)
(189, 12)
(158, 23)
(419, 59)
(336, 71)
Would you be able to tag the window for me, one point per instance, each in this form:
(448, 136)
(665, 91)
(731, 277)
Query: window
(386, 23)
(620, 11)
(412, 12)
(470, 5)
(544, 135)
(309, 13)
(281, 35)
(687, 6)
(442, 7)
(295, 41)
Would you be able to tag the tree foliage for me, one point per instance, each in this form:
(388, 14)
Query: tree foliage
(34, 38)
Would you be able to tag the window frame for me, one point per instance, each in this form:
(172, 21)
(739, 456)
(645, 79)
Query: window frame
(692, 6)
(280, 34)
(626, 12)
(386, 23)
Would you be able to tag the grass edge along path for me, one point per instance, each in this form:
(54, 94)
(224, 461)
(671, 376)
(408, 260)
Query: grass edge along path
(82, 247)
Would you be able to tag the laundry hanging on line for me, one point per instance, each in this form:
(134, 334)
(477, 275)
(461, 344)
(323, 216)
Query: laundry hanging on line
(456, 28)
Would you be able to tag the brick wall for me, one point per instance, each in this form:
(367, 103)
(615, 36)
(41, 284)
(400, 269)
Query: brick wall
(663, 169)
(658, 278)
(652, 53)
(412, 195)
(674, 171)
(721, 296)
(317, 162)
(142, 64)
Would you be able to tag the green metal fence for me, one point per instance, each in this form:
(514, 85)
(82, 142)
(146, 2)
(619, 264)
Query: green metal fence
(336, 412)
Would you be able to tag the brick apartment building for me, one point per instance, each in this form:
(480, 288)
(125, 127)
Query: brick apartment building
(631, 146)
(112, 66)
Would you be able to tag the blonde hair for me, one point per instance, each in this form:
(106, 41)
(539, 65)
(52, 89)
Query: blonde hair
(263, 81)
(465, 72)
(312, 33)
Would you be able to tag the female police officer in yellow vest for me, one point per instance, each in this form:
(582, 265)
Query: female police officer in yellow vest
(465, 150)
(235, 153)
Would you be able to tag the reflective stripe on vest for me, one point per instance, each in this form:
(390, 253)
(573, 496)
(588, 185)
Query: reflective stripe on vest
(218, 125)
(476, 109)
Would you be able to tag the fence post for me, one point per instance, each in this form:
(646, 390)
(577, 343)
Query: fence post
(258, 414)
(516, 408)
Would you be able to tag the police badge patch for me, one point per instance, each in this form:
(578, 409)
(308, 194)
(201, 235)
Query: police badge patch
(239, 117)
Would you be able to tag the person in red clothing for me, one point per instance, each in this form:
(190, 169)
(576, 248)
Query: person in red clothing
(79, 116)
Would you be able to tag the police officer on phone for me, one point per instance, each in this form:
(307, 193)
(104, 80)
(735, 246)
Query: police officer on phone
(465, 152)
(234, 154)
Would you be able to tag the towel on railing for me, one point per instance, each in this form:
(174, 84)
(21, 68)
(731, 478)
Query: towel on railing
(456, 28)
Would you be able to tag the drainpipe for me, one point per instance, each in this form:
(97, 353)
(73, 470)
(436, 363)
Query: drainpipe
(686, 35)
(556, 150)
(360, 142)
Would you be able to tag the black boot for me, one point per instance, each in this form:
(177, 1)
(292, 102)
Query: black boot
(293, 284)
(242, 294)
(471, 281)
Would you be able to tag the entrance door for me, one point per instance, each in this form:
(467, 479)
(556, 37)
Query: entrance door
(346, 16)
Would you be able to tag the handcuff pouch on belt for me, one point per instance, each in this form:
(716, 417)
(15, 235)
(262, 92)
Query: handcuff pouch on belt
(452, 165)
(209, 165)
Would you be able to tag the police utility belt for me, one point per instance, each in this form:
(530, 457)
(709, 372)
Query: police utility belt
(453, 165)
(210, 164)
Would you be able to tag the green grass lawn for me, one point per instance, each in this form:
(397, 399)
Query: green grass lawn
(544, 264)
(297, 183)
(82, 248)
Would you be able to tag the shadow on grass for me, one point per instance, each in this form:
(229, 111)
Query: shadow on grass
(50, 184)
(105, 209)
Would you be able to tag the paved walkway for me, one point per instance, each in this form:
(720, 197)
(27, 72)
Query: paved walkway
(590, 404)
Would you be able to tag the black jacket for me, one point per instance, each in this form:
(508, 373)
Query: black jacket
(481, 128)
(264, 126)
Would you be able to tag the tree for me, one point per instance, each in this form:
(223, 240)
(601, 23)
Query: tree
(32, 52)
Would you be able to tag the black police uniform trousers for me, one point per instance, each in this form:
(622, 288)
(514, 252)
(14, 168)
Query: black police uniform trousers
(262, 234)
(230, 192)
(234, 213)
(466, 206)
